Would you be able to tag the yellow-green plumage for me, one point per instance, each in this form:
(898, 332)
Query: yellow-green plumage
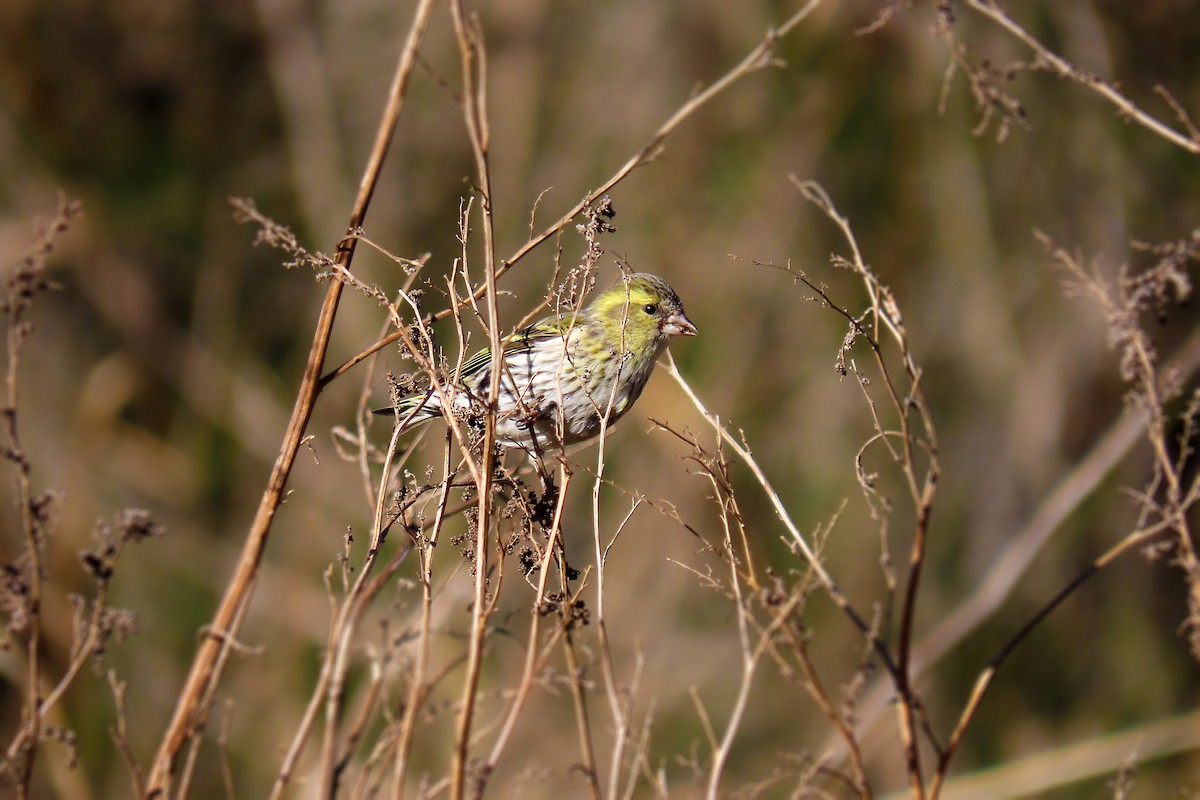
(562, 375)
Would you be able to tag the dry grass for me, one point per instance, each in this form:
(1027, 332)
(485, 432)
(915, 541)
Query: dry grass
(907, 575)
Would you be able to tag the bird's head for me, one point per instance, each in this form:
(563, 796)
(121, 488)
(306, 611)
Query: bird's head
(643, 311)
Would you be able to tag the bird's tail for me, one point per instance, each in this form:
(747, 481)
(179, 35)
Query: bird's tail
(414, 410)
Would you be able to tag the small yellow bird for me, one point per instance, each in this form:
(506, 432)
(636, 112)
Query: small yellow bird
(563, 374)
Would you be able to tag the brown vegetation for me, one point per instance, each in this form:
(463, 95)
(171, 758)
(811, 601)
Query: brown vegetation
(875, 532)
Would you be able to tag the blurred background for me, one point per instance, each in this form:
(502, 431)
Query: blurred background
(162, 375)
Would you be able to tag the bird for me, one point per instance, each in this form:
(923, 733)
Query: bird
(564, 374)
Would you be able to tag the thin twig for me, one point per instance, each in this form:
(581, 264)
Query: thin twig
(120, 735)
(984, 681)
(417, 690)
(474, 76)
(1126, 108)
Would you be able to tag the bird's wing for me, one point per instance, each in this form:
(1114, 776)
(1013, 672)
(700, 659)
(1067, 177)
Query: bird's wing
(522, 341)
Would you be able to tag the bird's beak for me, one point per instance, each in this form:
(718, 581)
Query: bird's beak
(679, 325)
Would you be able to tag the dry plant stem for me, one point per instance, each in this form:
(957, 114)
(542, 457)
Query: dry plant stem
(474, 75)
(984, 681)
(1149, 395)
(31, 711)
(911, 712)
(794, 533)
(368, 706)
(816, 690)
(1065, 69)
(922, 491)
(223, 748)
(610, 682)
(22, 287)
(530, 669)
(583, 728)
(751, 652)
(344, 621)
(641, 740)
(363, 415)
(284, 775)
(352, 607)
(656, 779)
(758, 58)
(200, 720)
(751, 656)
(415, 697)
(120, 735)
(84, 652)
(205, 673)
(1010, 566)
(715, 469)
(1125, 431)
(618, 706)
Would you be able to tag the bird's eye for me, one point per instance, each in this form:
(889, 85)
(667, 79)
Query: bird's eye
(650, 308)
